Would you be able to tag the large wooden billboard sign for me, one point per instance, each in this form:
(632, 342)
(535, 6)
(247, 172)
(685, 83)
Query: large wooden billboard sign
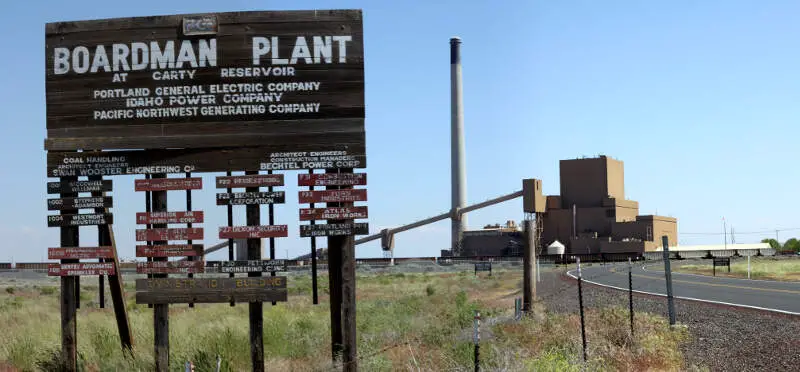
(255, 77)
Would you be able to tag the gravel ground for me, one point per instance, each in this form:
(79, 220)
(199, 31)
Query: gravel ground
(723, 338)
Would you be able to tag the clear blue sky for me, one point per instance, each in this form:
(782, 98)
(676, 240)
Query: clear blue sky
(699, 99)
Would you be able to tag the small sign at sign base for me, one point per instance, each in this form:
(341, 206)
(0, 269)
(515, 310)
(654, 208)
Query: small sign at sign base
(336, 229)
(77, 269)
(246, 266)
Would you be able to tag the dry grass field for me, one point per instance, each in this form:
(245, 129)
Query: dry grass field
(760, 268)
(419, 322)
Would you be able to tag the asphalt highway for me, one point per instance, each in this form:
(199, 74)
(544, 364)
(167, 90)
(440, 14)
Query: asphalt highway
(782, 297)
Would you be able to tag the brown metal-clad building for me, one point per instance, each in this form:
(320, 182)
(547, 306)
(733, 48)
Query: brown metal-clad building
(592, 215)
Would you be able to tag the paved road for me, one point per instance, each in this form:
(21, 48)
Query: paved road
(770, 295)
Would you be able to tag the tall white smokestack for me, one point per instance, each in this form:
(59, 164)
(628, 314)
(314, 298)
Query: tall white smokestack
(458, 180)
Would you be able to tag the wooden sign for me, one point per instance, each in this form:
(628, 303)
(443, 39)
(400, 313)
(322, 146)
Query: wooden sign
(217, 290)
(244, 198)
(483, 266)
(169, 250)
(61, 220)
(79, 253)
(168, 184)
(333, 196)
(293, 76)
(333, 213)
(249, 266)
(170, 267)
(78, 186)
(150, 235)
(261, 180)
(251, 232)
(332, 179)
(337, 229)
(63, 164)
(79, 203)
(83, 268)
(143, 218)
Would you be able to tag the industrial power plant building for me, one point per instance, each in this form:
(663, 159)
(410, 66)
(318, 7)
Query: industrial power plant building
(590, 216)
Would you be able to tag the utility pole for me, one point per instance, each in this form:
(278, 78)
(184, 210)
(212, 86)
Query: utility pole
(725, 232)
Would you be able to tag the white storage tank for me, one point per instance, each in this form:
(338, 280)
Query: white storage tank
(556, 248)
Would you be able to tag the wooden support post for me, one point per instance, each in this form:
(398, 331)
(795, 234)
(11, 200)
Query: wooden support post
(189, 225)
(342, 248)
(256, 308)
(314, 296)
(335, 287)
(529, 267)
(160, 311)
(230, 241)
(101, 235)
(69, 324)
(271, 209)
(148, 207)
(118, 296)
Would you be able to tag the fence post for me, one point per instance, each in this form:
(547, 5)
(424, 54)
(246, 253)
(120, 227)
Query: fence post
(668, 275)
(580, 304)
(476, 338)
(630, 292)
(748, 267)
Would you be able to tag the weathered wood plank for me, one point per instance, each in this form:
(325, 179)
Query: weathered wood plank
(81, 253)
(144, 218)
(251, 198)
(253, 232)
(170, 267)
(169, 250)
(333, 213)
(88, 219)
(80, 203)
(261, 180)
(333, 196)
(165, 234)
(83, 268)
(247, 266)
(257, 296)
(195, 285)
(78, 186)
(168, 184)
(334, 229)
(193, 160)
(332, 179)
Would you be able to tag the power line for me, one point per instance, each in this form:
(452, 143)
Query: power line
(742, 233)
